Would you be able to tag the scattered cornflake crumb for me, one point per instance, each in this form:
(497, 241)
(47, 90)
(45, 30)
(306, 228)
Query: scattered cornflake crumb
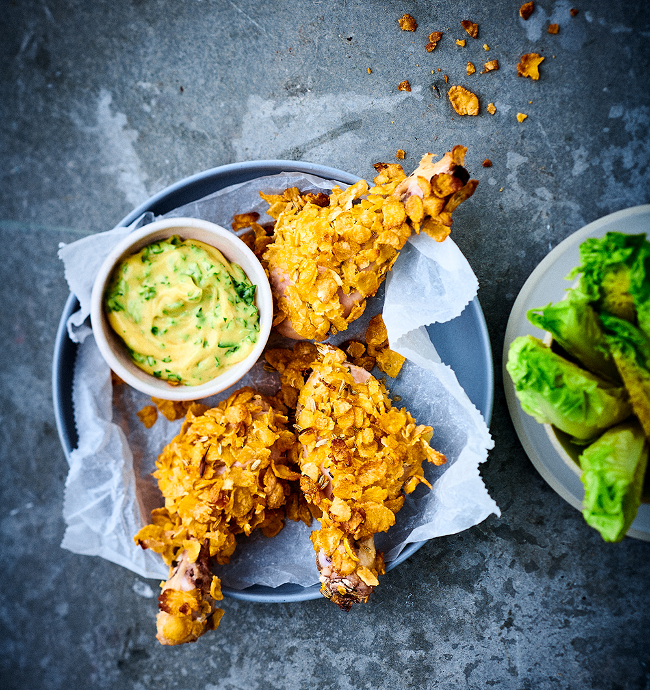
(521, 117)
(404, 86)
(553, 28)
(408, 23)
(470, 27)
(491, 108)
(446, 78)
(530, 102)
(573, 12)
(369, 70)
(434, 37)
(528, 67)
(491, 65)
(501, 189)
(526, 10)
(148, 416)
(439, 69)
(460, 42)
(487, 163)
(470, 68)
(486, 46)
(400, 154)
(463, 101)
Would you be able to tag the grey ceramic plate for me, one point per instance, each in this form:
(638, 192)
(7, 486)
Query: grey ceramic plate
(547, 284)
(463, 343)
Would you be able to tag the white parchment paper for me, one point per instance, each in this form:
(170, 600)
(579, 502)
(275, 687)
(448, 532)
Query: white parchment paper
(110, 491)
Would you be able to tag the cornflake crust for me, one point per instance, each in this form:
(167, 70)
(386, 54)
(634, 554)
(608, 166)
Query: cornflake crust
(228, 471)
(526, 10)
(407, 23)
(491, 65)
(463, 101)
(434, 37)
(324, 261)
(470, 27)
(148, 416)
(404, 86)
(360, 457)
(529, 65)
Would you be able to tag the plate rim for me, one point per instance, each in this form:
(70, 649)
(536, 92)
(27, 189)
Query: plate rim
(253, 593)
(522, 422)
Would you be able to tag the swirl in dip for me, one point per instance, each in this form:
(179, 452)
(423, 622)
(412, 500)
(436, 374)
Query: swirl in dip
(185, 313)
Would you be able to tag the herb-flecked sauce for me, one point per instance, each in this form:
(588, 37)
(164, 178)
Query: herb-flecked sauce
(184, 312)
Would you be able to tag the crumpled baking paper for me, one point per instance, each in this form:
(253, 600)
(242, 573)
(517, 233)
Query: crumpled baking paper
(110, 492)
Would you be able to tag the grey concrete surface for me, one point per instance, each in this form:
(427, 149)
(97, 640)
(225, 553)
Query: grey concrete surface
(103, 104)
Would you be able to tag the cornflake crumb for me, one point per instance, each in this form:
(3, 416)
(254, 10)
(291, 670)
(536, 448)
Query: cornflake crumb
(573, 12)
(463, 101)
(470, 27)
(487, 163)
(434, 37)
(470, 68)
(553, 28)
(148, 416)
(486, 46)
(501, 189)
(529, 65)
(491, 65)
(408, 23)
(491, 108)
(446, 78)
(404, 86)
(460, 42)
(400, 154)
(526, 10)
(439, 69)
(369, 70)
(521, 117)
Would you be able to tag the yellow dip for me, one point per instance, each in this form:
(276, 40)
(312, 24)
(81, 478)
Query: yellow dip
(184, 312)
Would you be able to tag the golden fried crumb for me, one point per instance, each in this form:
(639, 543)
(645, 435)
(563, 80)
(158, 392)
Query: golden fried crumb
(470, 27)
(553, 28)
(244, 220)
(491, 108)
(486, 46)
(171, 409)
(573, 12)
(463, 101)
(529, 65)
(491, 65)
(369, 70)
(526, 10)
(521, 117)
(487, 163)
(148, 416)
(460, 42)
(446, 78)
(400, 154)
(434, 37)
(470, 68)
(404, 86)
(407, 23)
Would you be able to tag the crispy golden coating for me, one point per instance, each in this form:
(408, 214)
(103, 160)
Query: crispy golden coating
(359, 457)
(407, 23)
(227, 472)
(470, 27)
(526, 10)
(325, 260)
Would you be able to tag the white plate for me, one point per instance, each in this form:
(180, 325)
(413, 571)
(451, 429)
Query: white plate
(547, 284)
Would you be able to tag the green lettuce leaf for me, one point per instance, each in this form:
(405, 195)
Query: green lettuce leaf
(555, 391)
(630, 348)
(575, 325)
(613, 468)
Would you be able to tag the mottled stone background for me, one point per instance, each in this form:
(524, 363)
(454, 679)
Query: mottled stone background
(103, 104)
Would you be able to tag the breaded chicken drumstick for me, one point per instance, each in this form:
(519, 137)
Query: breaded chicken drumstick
(328, 254)
(359, 457)
(227, 472)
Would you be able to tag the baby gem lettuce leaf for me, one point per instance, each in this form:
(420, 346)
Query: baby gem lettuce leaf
(613, 469)
(555, 391)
